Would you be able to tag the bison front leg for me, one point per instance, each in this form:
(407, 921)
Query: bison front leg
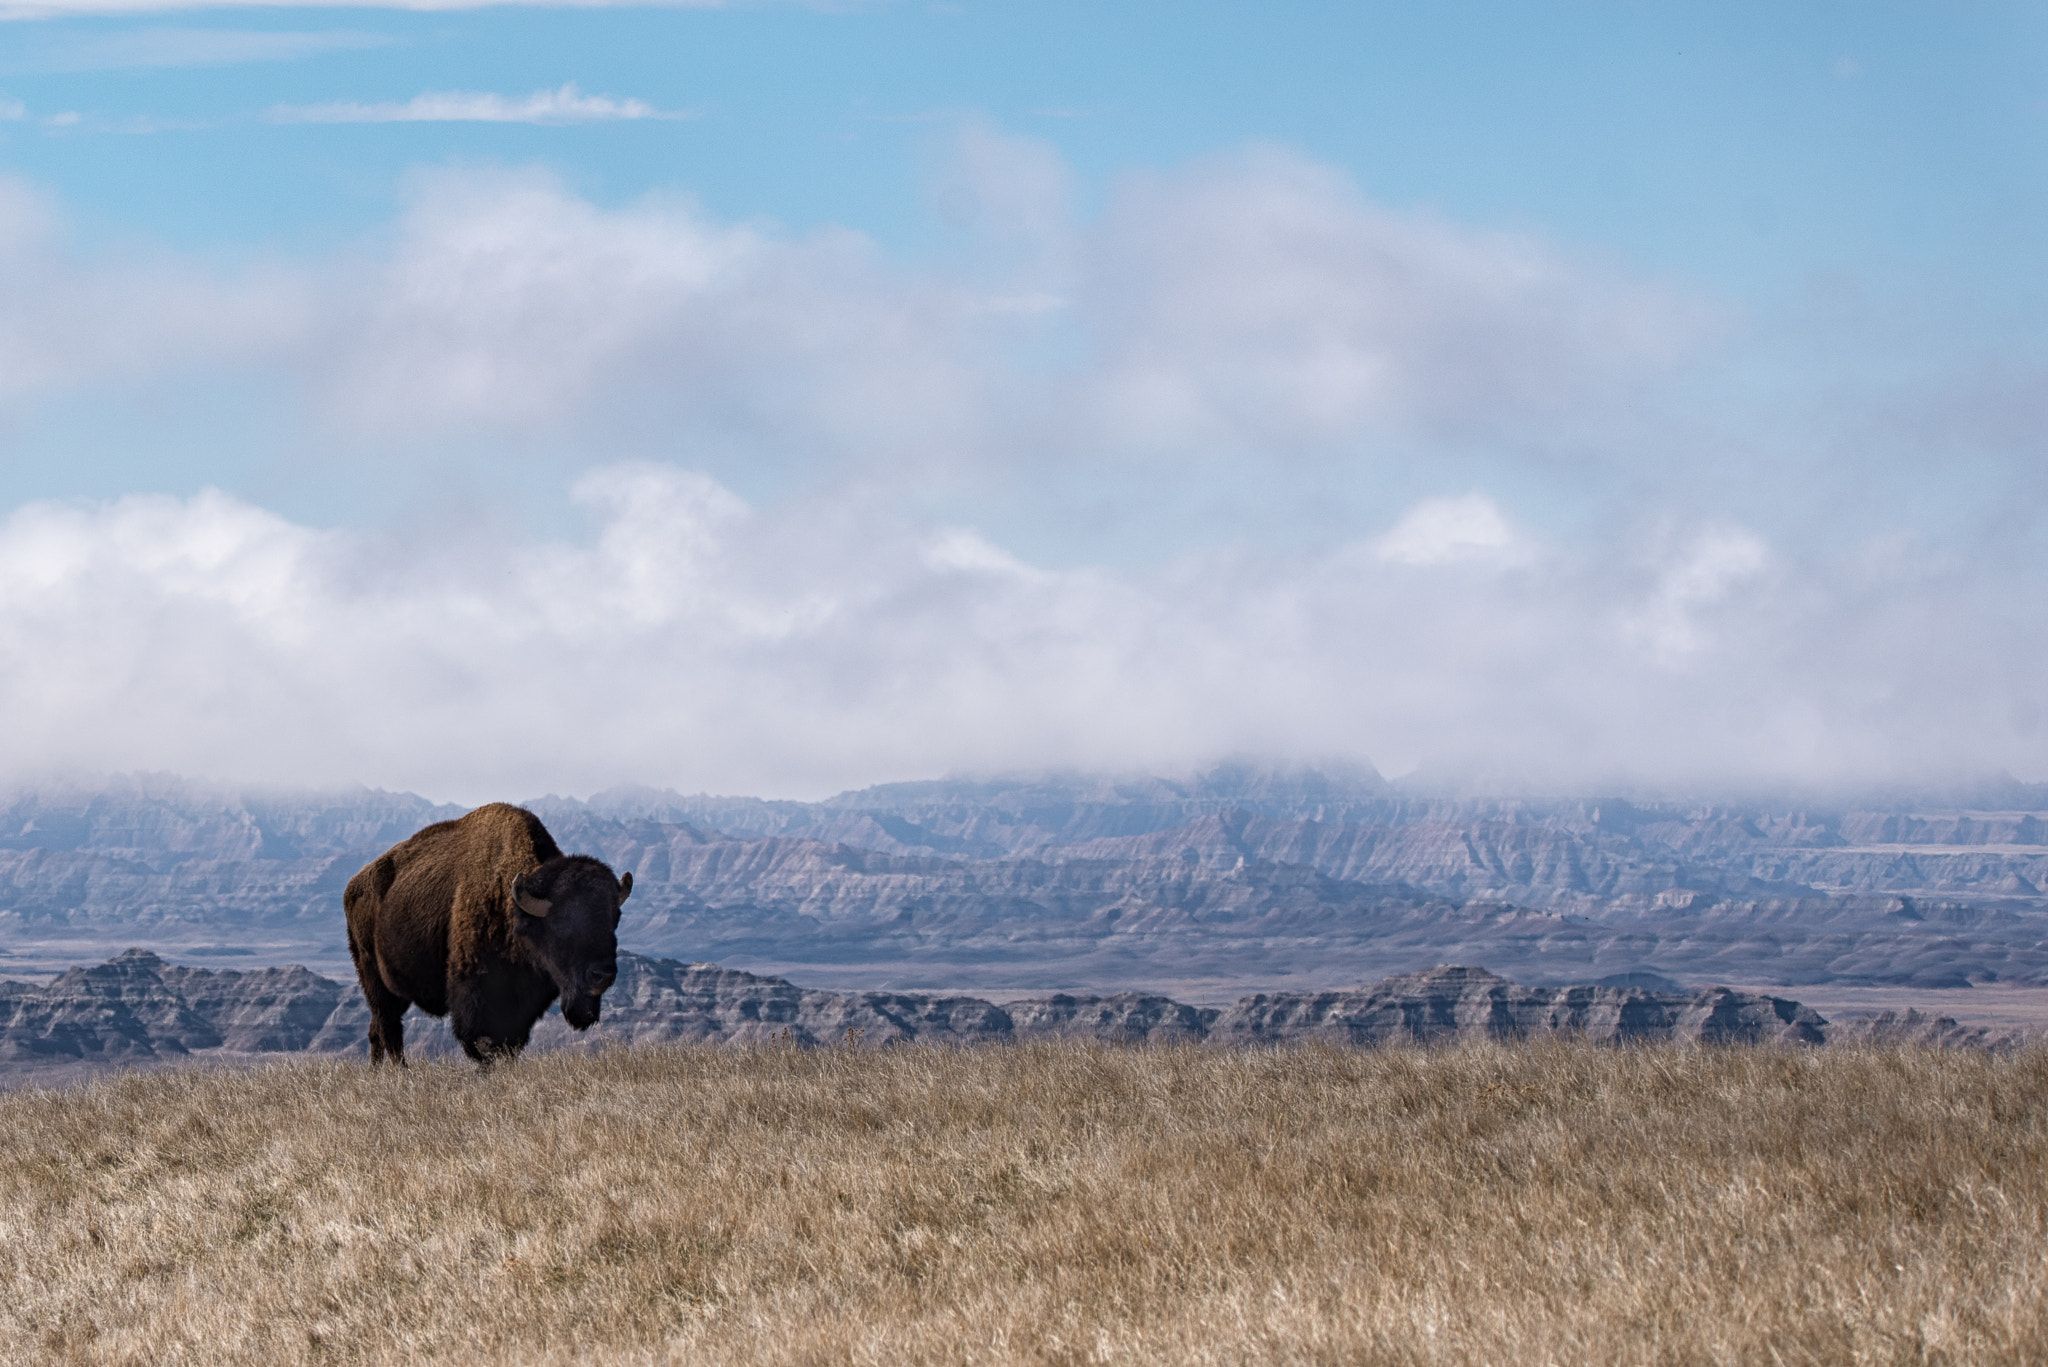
(469, 1023)
(485, 1030)
(488, 1048)
(492, 1013)
(493, 1041)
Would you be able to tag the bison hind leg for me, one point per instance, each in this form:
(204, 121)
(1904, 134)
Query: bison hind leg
(387, 1036)
(387, 1024)
(387, 1009)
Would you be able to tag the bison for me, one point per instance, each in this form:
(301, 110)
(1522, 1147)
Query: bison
(484, 920)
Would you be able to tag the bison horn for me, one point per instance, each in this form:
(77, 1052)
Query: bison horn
(530, 904)
(625, 887)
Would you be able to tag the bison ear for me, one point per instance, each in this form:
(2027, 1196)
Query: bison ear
(625, 887)
(527, 902)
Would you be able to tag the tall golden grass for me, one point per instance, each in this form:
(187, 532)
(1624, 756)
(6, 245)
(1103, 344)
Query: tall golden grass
(1552, 1203)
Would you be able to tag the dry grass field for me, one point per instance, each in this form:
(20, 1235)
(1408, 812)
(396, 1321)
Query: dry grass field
(1496, 1204)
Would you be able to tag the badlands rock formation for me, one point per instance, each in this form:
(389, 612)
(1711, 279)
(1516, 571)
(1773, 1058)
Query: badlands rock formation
(1223, 882)
(137, 1009)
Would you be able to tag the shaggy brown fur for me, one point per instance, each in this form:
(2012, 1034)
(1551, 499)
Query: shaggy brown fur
(437, 922)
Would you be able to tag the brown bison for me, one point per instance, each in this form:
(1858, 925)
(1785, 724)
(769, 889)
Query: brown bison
(484, 920)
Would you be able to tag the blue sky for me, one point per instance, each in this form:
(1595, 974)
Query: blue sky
(1742, 145)
(1585, 393)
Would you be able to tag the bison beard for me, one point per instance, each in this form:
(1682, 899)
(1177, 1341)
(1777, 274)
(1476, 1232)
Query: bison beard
(483, 920)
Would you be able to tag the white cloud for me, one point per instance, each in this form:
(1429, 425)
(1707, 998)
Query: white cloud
(566, 105)
(1017, 195)
(1440, 531)
(506, 302)
(962, 550)
(507, 306)
(1258, 300)
(1253, 307)
(11, 110)
(690, 639)
(67, 321)
(1693, 582)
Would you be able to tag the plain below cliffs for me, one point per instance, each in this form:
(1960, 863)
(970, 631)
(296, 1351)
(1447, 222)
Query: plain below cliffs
(136, 1009)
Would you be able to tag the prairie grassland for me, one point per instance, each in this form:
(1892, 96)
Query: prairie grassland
(1550, 1203)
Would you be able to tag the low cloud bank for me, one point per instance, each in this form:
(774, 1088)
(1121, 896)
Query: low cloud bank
(1245, 327)
(690, 640)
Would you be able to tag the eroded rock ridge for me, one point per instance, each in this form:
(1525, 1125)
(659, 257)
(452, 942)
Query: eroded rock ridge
(1235, 877)
(136, 1008)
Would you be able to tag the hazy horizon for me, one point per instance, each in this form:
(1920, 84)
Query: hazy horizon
(1348, 779)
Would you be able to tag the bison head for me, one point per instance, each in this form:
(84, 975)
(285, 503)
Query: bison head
(569, 920)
